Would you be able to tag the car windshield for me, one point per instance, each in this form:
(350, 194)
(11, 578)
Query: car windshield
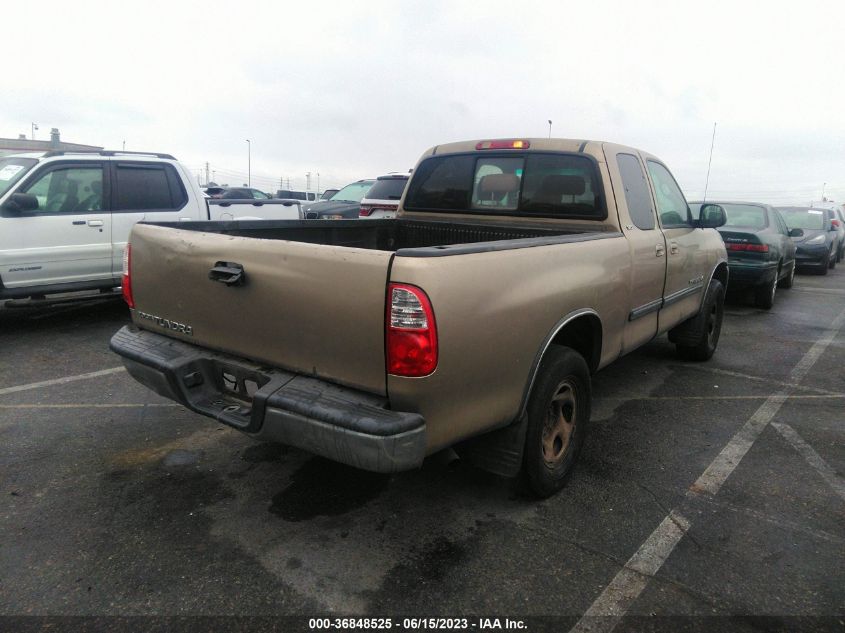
(388, 189)
(799, 218)
(354, 192)
(12, 170)
(745, 215)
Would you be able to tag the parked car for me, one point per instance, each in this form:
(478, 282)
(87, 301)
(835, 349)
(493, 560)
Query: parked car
(65, 217)
(761, 255)
(816, 238)
(837, 218)
(382, 200)
(342, 205)
(244, 193)
(289, 194)
(476, 321)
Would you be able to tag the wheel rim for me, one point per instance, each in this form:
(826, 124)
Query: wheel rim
(711, 323)
(561, 418)
(774, 289)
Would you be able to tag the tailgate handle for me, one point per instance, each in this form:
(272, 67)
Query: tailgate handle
(228, 273)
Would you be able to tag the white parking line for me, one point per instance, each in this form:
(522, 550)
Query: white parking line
(768, 381)
(60, 381)
(828, 396)
(88, 406)
(813, 458)
(611, 606)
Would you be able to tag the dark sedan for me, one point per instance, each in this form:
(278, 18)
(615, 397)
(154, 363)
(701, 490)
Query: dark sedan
(761, 255)
(816, 238)
(343, 205)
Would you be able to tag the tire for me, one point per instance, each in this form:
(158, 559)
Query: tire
(824, 264)
(696, 338)
(789, 280)
(831, 260)
(558, 416)
(764, 296)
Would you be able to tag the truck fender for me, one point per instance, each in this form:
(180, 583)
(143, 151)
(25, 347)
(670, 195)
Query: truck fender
(720, 271)
(500, 451)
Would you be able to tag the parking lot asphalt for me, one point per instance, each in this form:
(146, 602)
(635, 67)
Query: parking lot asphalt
(706, 493)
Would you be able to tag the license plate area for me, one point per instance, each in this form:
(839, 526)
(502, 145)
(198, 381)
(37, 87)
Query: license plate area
(231, 393)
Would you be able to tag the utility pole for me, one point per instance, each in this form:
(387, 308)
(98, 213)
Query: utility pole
(318, 182)
(124, 145)
(308, 181)
(206, 173)
(550, 128)
(248, 163)
(34, 126)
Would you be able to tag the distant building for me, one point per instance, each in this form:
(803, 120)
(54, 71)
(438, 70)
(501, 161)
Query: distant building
(22, 144)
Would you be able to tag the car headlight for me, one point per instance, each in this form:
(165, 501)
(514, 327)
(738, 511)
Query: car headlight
(818, 239)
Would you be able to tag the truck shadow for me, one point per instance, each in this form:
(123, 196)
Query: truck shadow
(35, 316)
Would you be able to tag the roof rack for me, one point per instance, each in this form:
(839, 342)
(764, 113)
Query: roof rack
(104, 152)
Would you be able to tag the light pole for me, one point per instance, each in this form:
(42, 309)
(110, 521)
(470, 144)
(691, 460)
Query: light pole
(34, 127)
(550, 128)
(248, 163)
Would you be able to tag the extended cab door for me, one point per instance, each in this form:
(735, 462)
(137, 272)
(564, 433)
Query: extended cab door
(68, 238)
(686, 261)
(149, 191)
(645, 241)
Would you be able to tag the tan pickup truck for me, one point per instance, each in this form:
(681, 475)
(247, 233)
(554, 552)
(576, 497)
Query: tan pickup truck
(513, 271)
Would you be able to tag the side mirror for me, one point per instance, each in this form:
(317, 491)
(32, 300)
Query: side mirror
(20, 202)
(711, 216)
(796, 232)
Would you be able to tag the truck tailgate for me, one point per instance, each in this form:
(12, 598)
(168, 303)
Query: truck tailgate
(313, 309)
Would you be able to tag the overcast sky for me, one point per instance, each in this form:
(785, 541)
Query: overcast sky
(354, 90)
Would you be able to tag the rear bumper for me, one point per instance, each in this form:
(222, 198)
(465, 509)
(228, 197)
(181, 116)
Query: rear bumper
(341, 424)
(816, 255)
(752, 273)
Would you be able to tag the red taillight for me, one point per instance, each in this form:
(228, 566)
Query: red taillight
(363, 212)
(411, 332)
(126, 280)
(505, 143)
(754, 248)
(835, 223)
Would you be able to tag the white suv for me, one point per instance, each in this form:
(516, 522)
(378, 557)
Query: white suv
(382, 199)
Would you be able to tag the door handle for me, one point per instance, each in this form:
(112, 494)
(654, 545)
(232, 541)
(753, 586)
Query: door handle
(673, 248)
(78, 222)
(659, 250)
(229, 273)
(95, 223)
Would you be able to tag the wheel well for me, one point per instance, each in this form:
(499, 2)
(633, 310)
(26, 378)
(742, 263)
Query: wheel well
(584, 335)
(721, 273)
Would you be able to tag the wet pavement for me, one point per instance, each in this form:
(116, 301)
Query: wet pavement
(119, 503)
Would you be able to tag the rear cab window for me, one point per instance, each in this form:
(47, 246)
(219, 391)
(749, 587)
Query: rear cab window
(528, 184)
(387, 189)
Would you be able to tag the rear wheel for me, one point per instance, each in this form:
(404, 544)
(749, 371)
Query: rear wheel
(764, 296)
(558, 414)
(697, 338)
